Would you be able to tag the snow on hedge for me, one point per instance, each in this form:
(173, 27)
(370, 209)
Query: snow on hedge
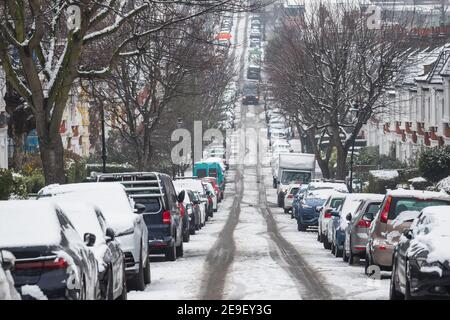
(384, 174)
(444, 184)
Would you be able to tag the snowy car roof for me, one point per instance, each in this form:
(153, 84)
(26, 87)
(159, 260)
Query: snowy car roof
(28, 223)
(419, 194)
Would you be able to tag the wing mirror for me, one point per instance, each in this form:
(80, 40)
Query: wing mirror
(7, 259)
(408, 234)
(89, 239)
(110, 235)
(348, 217)
(139, 208)
(181, 196)
(335, 213)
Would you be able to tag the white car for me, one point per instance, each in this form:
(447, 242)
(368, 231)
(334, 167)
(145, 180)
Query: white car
(277, 135)
(196, 186)
(289, 197)
(212, 194)
(130, 228)
(7, 289)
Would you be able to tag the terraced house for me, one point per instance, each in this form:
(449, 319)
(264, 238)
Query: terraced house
(417, 113)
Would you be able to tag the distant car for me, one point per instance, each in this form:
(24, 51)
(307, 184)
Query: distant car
(186, 217)
(306, 211)
(384, 235)
(7, 289)
(213, 181)
(255, 33)
(333, 202)
(50, 255)
(357, 231)
(320, 185)
(197, 187)
(289, 197)
(119, 211)
(192, 205)
(88, 219)
(255, 43)
(254, 72)
(421, 260)
(250, 93)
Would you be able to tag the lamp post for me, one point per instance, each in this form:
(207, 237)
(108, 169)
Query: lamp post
(354, 110)
(102, 115)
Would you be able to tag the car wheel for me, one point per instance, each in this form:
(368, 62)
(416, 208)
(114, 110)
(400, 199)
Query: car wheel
(110, 286)
(83, 290)
(393, 293)
(147, 272)
(179, 250)
(171, 254)
(367, 263)
(286, 210)
(407, 284)
(351, 256)
(344, 252)
(292, 215)
(333, 248)
(192, 231)
(137, 282)
(124, 294)
(187, 237)
(326, 243)
(318, 236)
(301, 226)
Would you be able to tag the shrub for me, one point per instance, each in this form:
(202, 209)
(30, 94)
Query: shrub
(6, 182)
(380, 180)
(35, 182)
(434, 163)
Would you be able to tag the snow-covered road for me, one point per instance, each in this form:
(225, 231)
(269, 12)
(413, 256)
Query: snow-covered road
(250, 249)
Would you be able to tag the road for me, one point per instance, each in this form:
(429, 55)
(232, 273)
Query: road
(251, 249)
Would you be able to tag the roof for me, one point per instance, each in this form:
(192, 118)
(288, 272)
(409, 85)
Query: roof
(418, 194)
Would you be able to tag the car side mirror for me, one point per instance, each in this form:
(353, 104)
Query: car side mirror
(89, 239)
(7, 259)
(335, 213)
(139, 208)
(110, 234)
(408, 234)
(348, 217)
(181, 196)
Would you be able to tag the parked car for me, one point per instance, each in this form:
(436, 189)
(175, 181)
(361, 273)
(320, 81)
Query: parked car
(320, 185)
(210, 192)
(162, 213)
(50, 255)
(119, 211)
(289, 197)
(421, 259)
(187, 214)
(192, 203)
(88, 219)
(384, 235)
(333, 202)
(357, 231)
(213, 181)
(338, 223)
(197, 187)
(255, 43)
(306, 211)
(250, 93)
(7, 289)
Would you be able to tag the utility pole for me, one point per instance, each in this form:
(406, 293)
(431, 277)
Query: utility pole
(102, 115)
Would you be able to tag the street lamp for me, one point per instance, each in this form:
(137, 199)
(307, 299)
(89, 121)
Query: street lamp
(355, 111)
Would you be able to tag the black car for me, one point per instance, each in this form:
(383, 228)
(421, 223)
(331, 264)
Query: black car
(193, 208)
(250, 93)
(50, 255)
(421, 267)
(161, 214)
(88, 219)
(254, 72)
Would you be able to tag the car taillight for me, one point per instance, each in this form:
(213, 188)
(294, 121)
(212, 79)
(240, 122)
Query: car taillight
(182, 210)
(166, 217)
(59, 263)
(210, 200)
(385, 211)
(290, 196)
(327, 215)
(364, 223)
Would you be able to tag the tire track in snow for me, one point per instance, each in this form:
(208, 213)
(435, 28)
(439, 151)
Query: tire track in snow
(221, 255)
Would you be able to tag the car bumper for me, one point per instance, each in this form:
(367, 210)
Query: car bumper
(307, 217)
(157, 246)
(381, 254)
(430, 284)
(359, 243)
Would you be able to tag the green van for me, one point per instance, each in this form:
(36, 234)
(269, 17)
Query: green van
(209, 169)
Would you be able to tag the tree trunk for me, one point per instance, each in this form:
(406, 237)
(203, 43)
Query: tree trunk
(341, 164)
(52, 156)
(17, 161)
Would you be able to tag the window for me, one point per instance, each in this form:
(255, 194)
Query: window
(213, 172)
(336, 202)
(152, 205)
(399, 205)
(373, 208)
(201, 173)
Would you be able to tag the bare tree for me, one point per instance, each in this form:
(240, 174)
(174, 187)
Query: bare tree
(330, 71)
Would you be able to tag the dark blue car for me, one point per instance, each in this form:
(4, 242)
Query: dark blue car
(305, 211)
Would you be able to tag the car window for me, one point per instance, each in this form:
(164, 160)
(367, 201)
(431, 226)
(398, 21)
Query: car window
(290, 176)
(213, 172)
(399, 205)
(373, 208)
(201, 173)
(294, 190)
(336, 203)
(152, 205)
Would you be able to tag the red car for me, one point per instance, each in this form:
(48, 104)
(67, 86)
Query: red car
(213, 181)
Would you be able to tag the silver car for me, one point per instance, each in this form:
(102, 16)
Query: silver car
(357, 232)
(333, 203)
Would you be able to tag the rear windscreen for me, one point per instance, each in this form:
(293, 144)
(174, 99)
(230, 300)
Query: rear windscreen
(399, 205)
(295, 176)
(294, 190)
(213, 172)
(336, 203)
(201, 173)
(373, 208)
(152, 205)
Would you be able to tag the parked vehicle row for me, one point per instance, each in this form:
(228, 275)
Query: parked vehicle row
(93, 240)
(403, 231)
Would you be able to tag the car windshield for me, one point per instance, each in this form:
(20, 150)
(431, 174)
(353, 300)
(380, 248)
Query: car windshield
(201, 173)
(295, 176)
(399, 205)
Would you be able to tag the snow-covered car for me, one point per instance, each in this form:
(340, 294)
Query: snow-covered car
(52, 260)
(197, 187)
(384, 234)
(420, 267)
(333, 202)
(255, 43)
(289, 197)
(321, 185)
(212, 193)
(306, 210)
(255, 33)
(187, 214)
(7, 289)
(119, 211)
(88, 219)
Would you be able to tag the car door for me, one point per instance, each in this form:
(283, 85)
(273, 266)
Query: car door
(174, 209)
